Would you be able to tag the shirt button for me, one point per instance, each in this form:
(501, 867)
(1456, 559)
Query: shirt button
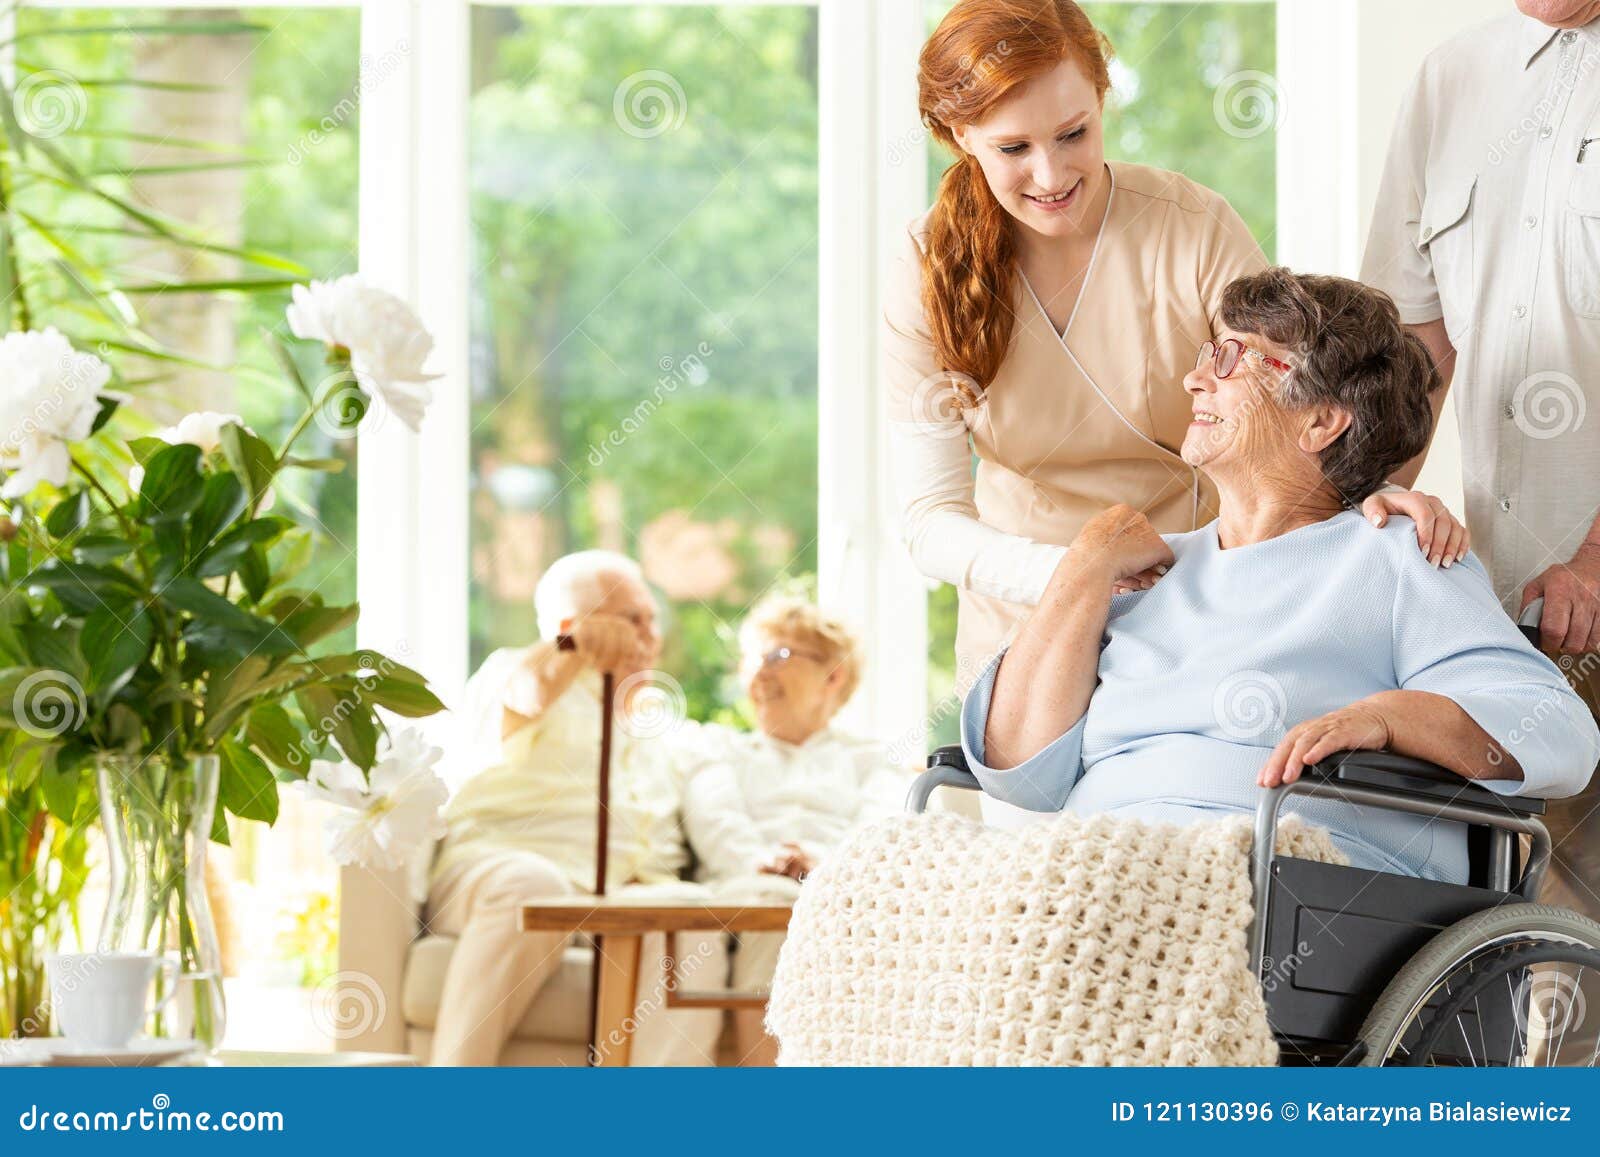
(1427, 233)
(1544, 133)
(1568, 37)
(1510, 411)
(1505, 504)
(1520, 311)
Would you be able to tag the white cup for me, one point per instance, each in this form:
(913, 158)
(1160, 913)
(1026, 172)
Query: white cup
(102, 999)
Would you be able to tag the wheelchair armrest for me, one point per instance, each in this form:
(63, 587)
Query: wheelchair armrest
(947, 767)
(1403, 775)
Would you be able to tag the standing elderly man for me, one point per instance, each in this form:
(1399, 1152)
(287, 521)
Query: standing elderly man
(1487, 235)
(523, 825)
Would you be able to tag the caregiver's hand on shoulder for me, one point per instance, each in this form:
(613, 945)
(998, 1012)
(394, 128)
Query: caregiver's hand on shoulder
(1444, 540)
(1122, 541)
(1358, 727)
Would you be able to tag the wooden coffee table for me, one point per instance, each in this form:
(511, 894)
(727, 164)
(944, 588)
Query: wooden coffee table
(623, 923)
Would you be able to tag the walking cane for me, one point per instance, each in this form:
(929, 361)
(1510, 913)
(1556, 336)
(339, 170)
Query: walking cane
(603, 842)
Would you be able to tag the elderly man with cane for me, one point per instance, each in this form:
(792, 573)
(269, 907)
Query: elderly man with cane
(522, 827)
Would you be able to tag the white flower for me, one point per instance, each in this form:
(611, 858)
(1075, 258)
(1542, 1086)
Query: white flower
(202, 428)
(49, 396)
(386, 340)
(385, 817)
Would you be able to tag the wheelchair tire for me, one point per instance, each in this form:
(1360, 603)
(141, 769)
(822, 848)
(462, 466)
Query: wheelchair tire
(1401, 1004)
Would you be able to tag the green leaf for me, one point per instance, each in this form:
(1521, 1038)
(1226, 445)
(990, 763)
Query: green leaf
(40, 701)
(304, 617)
(115, 646)
(172, 483)
(143, 449)
(108, 407)
(326, 465)
(272, 732)
(81, 587)
(220, 626)
(96, 549)
(221, 558)
(60, 780)
(250, 458)
(247, 787)
(69, 515)
(55, 648)
(221, 501)
(402, 696)
(343, 717)
(254, 573)
(219, 827)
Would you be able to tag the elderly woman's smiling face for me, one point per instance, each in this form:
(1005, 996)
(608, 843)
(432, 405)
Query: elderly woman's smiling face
(1240, 423)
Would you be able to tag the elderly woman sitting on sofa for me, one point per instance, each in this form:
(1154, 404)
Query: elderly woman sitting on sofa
(1287, 629)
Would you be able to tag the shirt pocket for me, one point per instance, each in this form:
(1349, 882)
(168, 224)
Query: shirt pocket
(1581, 254)
(1444, 237)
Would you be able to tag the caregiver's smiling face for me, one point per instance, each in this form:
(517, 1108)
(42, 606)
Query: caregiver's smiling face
(1238, 421)
(1042, 150)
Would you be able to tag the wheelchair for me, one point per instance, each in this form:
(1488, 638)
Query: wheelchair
(1375, 968)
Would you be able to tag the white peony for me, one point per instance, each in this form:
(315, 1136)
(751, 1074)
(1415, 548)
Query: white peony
(202, 428)
(385, 338)
(49, 396)
(386, 816)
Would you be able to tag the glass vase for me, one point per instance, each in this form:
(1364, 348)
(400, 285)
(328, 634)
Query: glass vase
(157, 813)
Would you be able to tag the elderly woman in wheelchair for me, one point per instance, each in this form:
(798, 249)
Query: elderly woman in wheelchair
(1290, 645)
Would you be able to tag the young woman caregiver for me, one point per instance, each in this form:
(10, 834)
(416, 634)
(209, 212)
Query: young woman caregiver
(1048, 307)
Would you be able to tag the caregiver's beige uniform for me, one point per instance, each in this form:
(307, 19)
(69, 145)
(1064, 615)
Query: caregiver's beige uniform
(1072, 423)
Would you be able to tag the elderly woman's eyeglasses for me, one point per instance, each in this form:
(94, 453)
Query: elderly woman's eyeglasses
(1226, 356)
(784, 654)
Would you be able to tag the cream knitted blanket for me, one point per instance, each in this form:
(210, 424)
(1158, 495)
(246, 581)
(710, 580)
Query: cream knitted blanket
(932, 940)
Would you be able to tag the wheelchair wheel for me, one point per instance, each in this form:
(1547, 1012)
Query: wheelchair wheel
(1517, 985)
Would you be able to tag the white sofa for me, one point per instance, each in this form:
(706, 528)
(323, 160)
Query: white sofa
(391, 975)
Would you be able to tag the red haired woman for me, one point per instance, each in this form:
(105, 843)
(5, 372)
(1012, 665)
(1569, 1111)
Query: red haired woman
(1047, 308)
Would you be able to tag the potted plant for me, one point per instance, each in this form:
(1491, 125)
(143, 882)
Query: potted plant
(153, 638)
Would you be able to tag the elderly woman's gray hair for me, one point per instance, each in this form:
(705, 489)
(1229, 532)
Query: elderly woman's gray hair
(1349, 350)
(574, 583)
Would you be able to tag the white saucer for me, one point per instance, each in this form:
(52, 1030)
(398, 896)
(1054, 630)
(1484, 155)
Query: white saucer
(141, 1052)
(26, 1051)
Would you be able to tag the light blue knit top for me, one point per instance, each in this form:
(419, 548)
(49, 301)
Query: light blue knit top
(1201, 675)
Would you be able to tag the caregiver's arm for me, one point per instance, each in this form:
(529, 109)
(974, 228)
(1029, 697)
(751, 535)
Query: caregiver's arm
(1046, 678)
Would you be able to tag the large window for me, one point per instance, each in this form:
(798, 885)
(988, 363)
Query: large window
(644, 311)
(247, 135)
(1193, 90)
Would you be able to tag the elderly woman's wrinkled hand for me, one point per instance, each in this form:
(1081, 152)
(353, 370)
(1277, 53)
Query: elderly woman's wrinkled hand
(1122, 542)
(1442, 538)
(1361, 726)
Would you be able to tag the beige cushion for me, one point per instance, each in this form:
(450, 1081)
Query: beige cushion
(559, 1013)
